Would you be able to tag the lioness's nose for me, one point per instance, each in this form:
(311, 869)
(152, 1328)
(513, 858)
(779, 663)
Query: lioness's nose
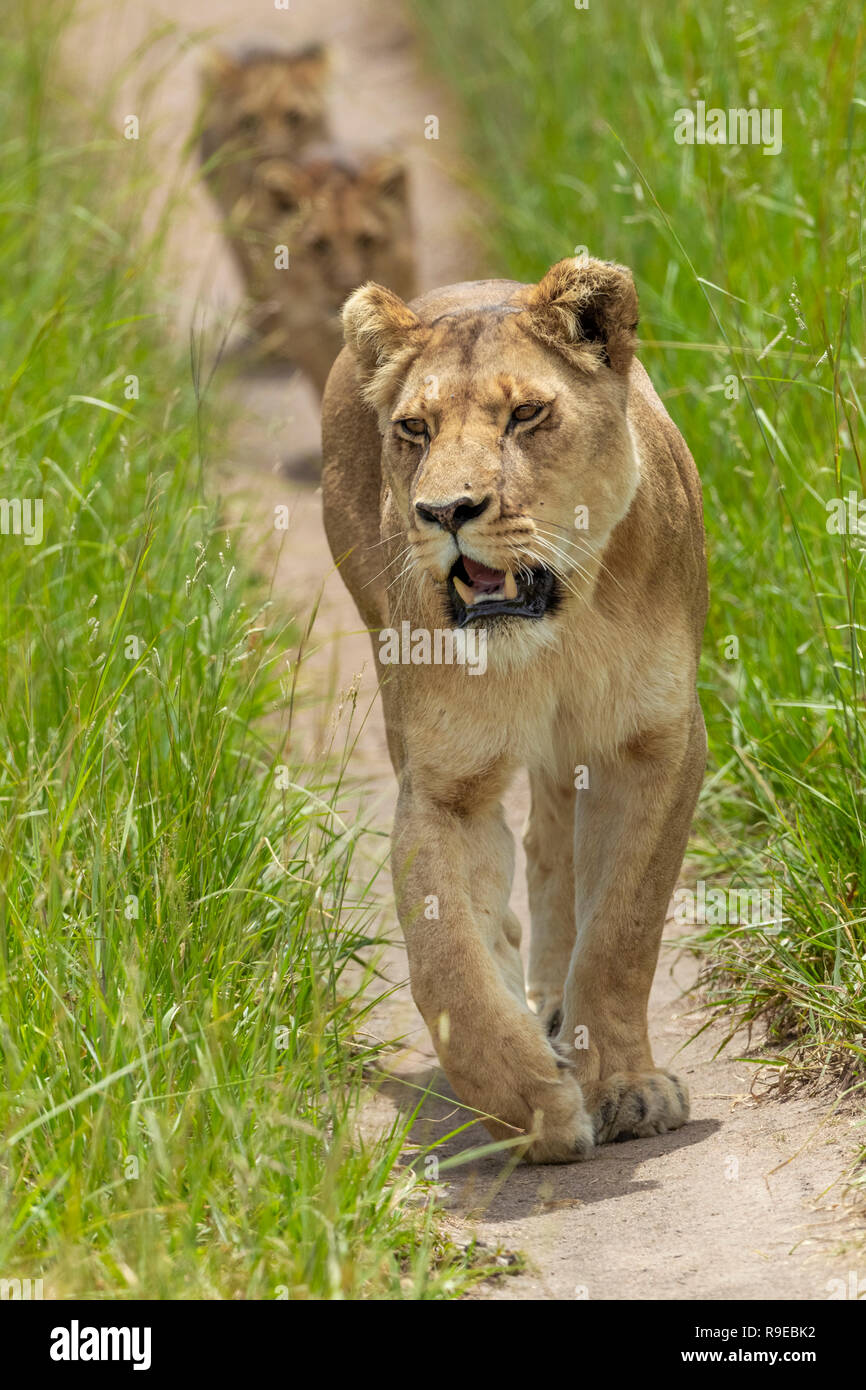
(451, 515)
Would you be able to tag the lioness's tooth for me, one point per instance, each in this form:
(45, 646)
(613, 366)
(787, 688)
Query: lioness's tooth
(467, 594)
(510, 585)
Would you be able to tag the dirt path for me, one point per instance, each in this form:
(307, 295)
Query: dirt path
(736, 1204)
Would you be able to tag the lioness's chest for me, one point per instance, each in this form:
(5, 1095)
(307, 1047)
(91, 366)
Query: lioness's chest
(591, 695)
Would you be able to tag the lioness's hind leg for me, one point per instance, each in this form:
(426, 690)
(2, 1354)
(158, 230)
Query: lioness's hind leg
(631, 832)
(634, 1105)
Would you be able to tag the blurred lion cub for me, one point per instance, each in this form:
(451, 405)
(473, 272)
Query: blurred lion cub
(260, 104)
(341, 216)
(312, 231)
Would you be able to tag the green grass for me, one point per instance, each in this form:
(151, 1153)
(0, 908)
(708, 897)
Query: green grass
(750, 271)
(182, 1015)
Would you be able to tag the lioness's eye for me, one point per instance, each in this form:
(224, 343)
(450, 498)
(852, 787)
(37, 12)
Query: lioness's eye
(414, 426)
(528, 411)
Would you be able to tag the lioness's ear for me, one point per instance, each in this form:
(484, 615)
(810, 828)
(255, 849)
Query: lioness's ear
(587, 310)
(384, 335)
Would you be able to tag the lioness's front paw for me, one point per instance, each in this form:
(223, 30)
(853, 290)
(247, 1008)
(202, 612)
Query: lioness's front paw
(571, 1144)
(565, 1129)
(633, 1105)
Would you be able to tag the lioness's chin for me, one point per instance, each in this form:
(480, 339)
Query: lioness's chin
(513, 644)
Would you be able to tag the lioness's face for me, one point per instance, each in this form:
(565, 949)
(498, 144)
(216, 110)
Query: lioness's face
(506, 453)
(508, 470)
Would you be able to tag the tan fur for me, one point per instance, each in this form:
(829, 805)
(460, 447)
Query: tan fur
(344, 218)
(606, 680)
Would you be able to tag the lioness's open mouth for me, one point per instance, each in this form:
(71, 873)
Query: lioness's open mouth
(477, 591)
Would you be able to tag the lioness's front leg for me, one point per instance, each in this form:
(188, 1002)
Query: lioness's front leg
(632, 826)
(452, 875)
(548, 841)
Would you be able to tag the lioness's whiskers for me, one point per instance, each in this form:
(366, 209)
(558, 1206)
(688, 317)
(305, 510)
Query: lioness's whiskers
(560, 555)
(387, 567)
(556, 560)
(547, 521)
(383, 541)
(587, 550)
(404, 568)
(543, 559)
(565, 559)
(409, 571)
(582, 549)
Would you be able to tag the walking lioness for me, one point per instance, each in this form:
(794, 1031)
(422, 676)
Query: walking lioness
(497, 463)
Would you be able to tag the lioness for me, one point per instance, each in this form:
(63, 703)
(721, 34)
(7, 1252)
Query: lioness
(496, 458)
(311, 231)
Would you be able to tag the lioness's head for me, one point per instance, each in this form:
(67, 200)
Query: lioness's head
(506, 453)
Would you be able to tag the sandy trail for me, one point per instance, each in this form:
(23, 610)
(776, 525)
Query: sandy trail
(743, 1202)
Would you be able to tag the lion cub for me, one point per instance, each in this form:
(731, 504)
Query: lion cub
(261, 104)
(311, 231)
(307, 221)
